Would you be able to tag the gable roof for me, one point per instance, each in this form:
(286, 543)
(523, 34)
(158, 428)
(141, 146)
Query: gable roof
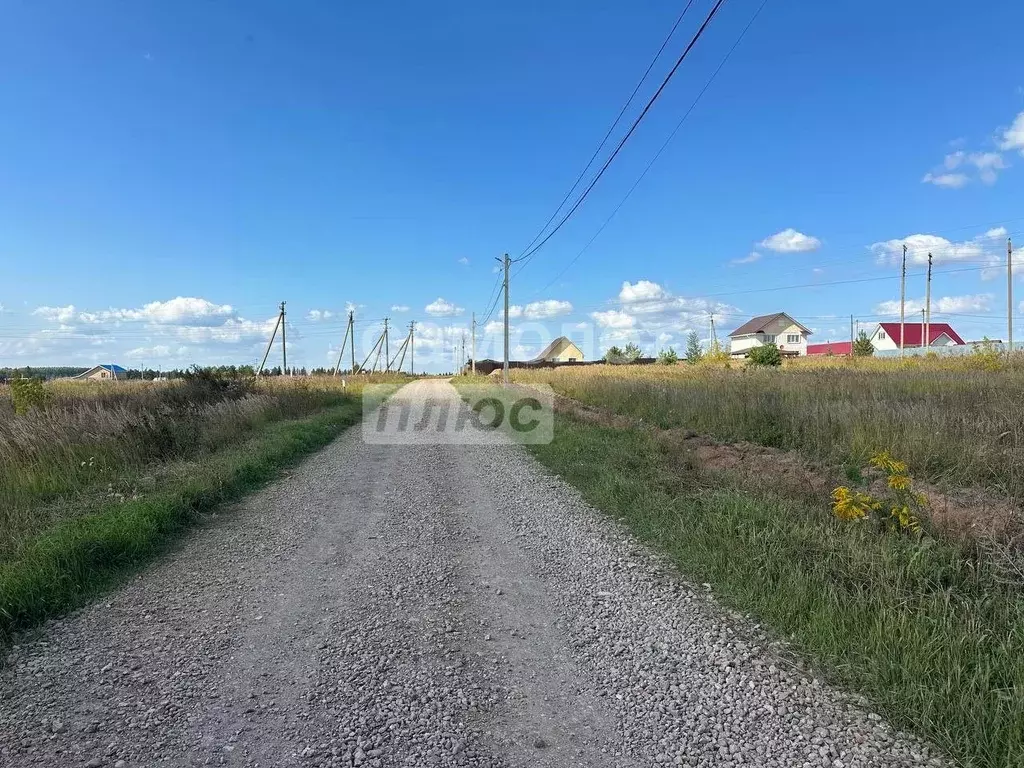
(550, 348)
(915, 332)
(756, 324)
(117, 370)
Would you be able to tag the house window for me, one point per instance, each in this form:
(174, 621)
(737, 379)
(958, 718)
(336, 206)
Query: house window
(881, 334)
(769, 338)
(793, 338)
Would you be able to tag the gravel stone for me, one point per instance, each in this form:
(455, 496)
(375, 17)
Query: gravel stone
(421, 605)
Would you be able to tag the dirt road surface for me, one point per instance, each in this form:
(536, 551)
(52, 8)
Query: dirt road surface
(419, 605)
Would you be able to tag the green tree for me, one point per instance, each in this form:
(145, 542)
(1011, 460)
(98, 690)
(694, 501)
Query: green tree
(613, 355)
(668, 357)
(863, 347)
(632, 352)
(694, 352)
(766, 355)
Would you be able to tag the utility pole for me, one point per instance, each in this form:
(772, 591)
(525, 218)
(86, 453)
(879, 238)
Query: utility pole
(284, 344)
(341, 352)
(472, 346)
(462, 356)
(903, 299)
(714, 336)
(927, 339)
(851, 336)
(412, 348)
(270, 344)
(504, 375)
(352, 325)
(387, 365)
(1009, 298)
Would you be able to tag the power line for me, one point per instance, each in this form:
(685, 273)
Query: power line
(659, 153)
(612, 127)
(527, 255)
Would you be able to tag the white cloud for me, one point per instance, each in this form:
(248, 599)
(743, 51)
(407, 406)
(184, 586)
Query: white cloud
(399, 308)
(539, 310)
(988, 165)
(945, 180)
(514, 312)
(971, 304)
(791, 241)
(157, 352)
(463, 261)
(613, 318)
(954, 160)
(316, 315)
(641, 291)
(942, 250)
(749, 259)
(442, 308)
(56, 314)
(495, 326)
(178, 311)
(1013, 137)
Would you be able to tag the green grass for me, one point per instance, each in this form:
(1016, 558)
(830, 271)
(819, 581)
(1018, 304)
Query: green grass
(929, 632)
(68, 562)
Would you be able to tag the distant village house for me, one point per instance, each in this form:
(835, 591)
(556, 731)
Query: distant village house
(779, 329)
(108, 372)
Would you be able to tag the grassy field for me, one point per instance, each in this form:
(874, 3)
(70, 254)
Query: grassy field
(931, 630)
(103, 475)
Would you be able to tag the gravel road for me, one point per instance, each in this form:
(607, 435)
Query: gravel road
(420, 605)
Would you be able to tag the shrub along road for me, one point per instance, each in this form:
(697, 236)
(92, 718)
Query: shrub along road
(419, 605)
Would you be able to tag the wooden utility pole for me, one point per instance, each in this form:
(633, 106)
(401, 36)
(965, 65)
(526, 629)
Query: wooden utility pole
(1009, 298)
(284, 344)
(270, 344)
(927, 339)
(504, 374)
(903, 300)
(472, 346)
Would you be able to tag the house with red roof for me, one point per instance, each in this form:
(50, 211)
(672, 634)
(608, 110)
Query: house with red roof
(830, 348)
(887, 336)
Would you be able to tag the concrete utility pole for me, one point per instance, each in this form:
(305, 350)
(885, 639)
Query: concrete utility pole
(341, 352)
(851, 336)
(927, 339)
(1009, 298)
(472, 346)
(504, 374)
(270, 344)
(412, 348)
(284, 344)
(387, 365)
(352, 325)
(903, 299)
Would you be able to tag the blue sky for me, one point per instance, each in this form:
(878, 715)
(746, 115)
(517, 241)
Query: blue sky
(169, 172)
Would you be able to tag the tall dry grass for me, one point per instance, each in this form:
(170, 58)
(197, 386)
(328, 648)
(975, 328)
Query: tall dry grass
(953, 420)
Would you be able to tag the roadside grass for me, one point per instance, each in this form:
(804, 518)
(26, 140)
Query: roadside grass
(929, 631)
(53, 563)
(955, 424)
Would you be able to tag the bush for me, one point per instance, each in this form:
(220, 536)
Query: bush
(694, 353)
(27, 394)
(767, 355)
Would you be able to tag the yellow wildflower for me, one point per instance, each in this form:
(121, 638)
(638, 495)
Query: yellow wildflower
(899, 482)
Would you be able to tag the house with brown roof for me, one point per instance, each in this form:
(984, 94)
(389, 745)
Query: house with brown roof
(779, 329)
